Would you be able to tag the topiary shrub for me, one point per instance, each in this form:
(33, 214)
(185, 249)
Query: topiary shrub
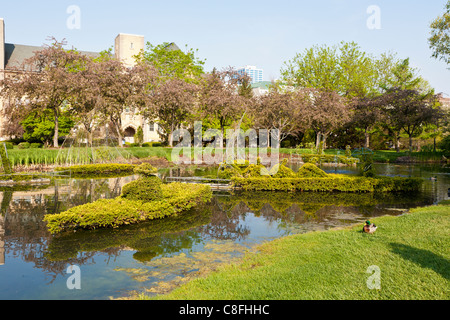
(281, 171)
(146, 169)
(309, 170)
(255, 170)
(144, 189)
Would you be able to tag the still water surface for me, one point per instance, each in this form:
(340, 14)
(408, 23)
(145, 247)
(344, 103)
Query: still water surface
(156, 256)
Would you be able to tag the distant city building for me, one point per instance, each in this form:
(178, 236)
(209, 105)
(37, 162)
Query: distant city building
(255, 74)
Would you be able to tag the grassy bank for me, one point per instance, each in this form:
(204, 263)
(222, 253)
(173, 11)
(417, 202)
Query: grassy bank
(411, 252)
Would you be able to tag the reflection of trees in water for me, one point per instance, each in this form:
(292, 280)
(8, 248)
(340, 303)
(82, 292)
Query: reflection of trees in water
(24, 208)
(225, 222)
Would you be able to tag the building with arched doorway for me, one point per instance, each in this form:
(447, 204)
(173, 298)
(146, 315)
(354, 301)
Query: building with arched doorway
(126, 46)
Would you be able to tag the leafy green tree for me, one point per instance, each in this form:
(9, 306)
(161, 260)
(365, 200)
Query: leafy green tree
(44, 82)
(345, 69)
(440, 36)
(139, 136)
(172, 62)
(40, 126)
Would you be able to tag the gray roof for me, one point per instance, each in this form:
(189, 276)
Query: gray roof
(16, 54)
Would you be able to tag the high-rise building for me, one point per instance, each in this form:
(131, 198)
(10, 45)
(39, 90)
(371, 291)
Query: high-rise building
(255, 74)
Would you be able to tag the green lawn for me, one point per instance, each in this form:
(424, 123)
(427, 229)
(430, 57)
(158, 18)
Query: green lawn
(411, 251)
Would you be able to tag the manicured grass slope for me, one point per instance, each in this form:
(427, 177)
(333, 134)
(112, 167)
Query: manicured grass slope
(411, 252)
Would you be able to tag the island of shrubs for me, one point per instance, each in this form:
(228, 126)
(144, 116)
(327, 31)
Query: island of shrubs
(309, 177)
(144, 199)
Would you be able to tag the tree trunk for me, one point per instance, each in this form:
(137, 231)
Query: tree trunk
(90, 134)
(222, 129)
(367, 136)
(318, 140)
(397, 142)
(324, 146)
(410, 143)
(171, 139)
(56, 135)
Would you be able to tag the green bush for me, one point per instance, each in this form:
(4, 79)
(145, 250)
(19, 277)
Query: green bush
(144, 189)
(156, 144)
(36, 145)
(445, 144)
(9, 145)
(113, 213)
(97, 169)
(146, 145)
(330, 184)
(146, 169)
(281, 171)
(328, 158)
(23, 145)
(309, 170)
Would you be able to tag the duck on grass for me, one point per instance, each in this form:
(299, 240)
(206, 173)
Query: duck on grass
(141, 200)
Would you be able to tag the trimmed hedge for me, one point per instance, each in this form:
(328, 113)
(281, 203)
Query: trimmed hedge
(112, 213)
(146, 169)
(329, 184)
(329, 158)
(309, 170)
(97, 169)
(144, 189)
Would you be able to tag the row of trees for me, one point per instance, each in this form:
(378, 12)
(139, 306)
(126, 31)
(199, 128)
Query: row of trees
(325, 92)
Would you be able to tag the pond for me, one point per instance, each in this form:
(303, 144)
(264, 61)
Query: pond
(156, 256)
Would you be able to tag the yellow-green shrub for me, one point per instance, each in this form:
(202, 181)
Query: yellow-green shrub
(146, 169)
(309, 170)
(112, 213)
(330, 184)
(97, 169)
(143, 189)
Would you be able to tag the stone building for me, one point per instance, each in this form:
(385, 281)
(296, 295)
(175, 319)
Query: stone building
(125, 47)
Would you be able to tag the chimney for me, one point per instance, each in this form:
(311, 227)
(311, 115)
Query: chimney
(2, 44)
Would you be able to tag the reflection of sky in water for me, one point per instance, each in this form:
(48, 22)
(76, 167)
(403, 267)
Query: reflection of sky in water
(114, 262)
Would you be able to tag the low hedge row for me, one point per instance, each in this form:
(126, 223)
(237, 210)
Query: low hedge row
(329, 158)
(112, 213)
(97, 169)
(329, 184)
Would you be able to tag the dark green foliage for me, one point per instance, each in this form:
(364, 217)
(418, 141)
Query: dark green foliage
(23, 145)
(144, 189)
(9, 145)
(309, 170)
(445, 144)
(6, 164)
(40, 126)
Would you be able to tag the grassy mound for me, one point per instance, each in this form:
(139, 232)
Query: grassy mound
(410, 252)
